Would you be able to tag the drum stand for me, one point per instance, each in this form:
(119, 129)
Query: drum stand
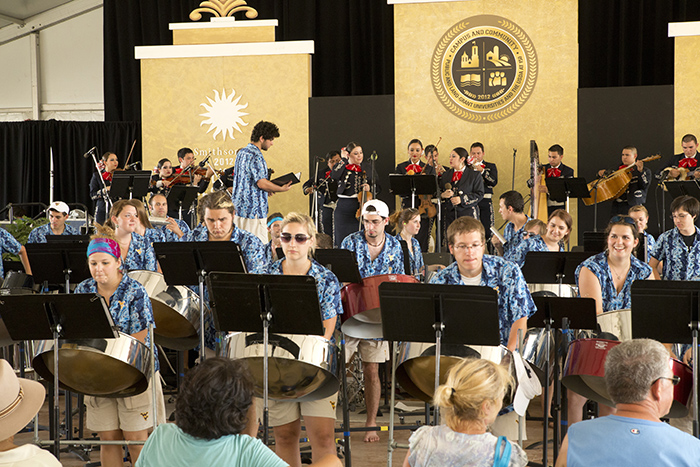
(419, 313)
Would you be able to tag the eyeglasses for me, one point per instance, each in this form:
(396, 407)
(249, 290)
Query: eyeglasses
(625, 219)
(675, 379)
(462, 246)
(299, 238)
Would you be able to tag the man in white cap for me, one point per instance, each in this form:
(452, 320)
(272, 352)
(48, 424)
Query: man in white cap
(377, 253)
(58, 213)
(20, 400)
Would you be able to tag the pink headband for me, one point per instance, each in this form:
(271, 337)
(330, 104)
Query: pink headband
(104, 245)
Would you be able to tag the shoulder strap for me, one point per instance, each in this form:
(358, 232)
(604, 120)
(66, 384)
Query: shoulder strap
(502, 459)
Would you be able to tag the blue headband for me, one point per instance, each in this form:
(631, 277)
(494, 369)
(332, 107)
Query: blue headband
(273, 220)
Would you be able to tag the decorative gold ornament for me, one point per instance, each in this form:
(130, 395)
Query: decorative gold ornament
(223, 8)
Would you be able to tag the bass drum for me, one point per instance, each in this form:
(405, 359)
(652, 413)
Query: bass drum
(300, 368)
(416, 364)
(362, 316)
(552, 290)
(175, 311)
(97, 367)
(584, 373)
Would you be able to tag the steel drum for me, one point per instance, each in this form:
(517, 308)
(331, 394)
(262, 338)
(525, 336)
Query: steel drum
(97, 367)
(416, 364)
(535, 352)
(175, 311)
(300, 368)
(361, 316)
(584, 373)
(552, 290)
(618, 323)
(17, 283)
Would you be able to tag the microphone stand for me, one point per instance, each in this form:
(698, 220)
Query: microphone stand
(438, 228)
(512, 183)
(314, 193)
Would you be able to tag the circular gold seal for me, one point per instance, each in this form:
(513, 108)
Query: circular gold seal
(484, 68)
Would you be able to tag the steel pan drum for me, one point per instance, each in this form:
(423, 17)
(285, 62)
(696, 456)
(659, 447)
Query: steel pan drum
(535, 352)
(300, 368)
(17, 283)
(617, 322)
(552, 290)
(97, 367)
(416, 364)
(584, 373)
(175, 311)
(361, 316)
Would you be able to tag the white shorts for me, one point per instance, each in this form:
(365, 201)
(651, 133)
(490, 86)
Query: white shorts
(125, 413)
(257, 227)
(370, 351)
(283, 412)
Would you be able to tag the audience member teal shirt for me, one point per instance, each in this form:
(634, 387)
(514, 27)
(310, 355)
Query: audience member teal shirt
(170, 446)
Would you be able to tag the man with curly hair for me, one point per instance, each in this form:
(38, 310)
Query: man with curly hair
(251, 186)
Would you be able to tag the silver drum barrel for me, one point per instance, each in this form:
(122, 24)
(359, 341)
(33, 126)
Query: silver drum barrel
(300, 368)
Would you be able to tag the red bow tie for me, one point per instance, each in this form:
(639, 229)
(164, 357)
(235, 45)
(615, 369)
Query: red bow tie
(553, 172)
(107, 176)
(688, 163)
(622, 167)
(328, 173)
(354, 167)
(415, 167)
(457, 176)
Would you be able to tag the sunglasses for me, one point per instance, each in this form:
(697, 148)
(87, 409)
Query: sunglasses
(626, 219)
(675, 379)
(299, 238)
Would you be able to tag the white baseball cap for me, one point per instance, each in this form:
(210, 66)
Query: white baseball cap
(375, 206)
(59, 206)
(528, 384)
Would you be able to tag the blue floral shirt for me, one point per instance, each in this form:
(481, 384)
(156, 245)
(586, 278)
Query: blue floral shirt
(327, 286)
(140, 255)
(680, 263)
(39, 234)
(268, 252)
(514, 299)
(251, 246)
(8, 244)
(651, 242)
(612, 300)
(389, 261)
(416, 257)
(129, 306)
(518, 253)
(249, 200)
(513, 237)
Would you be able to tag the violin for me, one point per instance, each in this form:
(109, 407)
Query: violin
(185, 176)
(363, 196)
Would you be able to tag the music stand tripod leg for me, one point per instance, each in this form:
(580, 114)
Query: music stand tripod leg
(346, 412)
(392, 442)
(439, 327)
(202, 273)
(696, 414)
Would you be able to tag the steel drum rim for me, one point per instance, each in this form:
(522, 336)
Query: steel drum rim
(125, 352)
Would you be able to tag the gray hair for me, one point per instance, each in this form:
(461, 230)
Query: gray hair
(631, 367)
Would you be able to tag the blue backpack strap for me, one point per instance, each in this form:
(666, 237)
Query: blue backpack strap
(502, 459)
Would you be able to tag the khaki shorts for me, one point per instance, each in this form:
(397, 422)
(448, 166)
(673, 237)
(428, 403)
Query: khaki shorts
(125, 413)
(370, 351)
(257, 227)
(283, 412)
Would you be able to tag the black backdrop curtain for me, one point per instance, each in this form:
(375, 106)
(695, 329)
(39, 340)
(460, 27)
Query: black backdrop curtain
(25, 152)
(354, 44)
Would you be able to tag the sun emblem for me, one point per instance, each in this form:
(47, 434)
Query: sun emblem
(224, 114)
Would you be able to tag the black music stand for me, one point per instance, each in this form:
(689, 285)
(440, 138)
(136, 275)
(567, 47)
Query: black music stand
(340, 262)
(54, 316)
(275, 303)
(559, 314)
(680, 302)
(61, 262)
(414, 312)
(678, 188)
(412, 185)
(181, 196)
(561, 189)
(68, 239)
(553, 267)
(130, 184)
(187, 263)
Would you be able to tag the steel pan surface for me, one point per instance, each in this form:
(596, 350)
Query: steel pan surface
(617, 322)
(416, 364)
(300, 368)
(97, 367)
(567, 290)
(362, 316)
(175, 311)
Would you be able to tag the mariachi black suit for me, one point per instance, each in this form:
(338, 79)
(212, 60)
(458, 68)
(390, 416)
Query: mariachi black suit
(490, 176)
(470, 188)
(566, 172)
(425, 223)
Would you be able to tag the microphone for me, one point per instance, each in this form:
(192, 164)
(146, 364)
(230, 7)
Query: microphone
(206, 159)
(320, 159)
(90, 152)
(373, 156)
(132, 166)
